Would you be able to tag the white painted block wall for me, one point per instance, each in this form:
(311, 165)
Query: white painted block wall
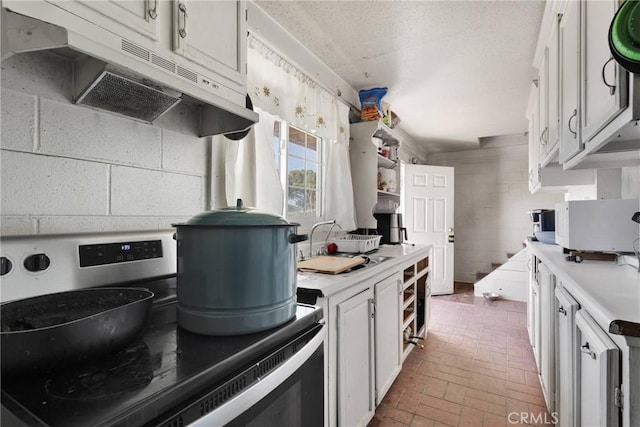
(65, 168)
(491, 203)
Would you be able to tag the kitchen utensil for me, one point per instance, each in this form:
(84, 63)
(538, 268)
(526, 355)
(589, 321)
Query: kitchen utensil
(356, 243)
(387, 179)
(624, 36)
(330, 264)
(47, 331)
(490, 296)
(236, 271)
(548, 237)
(390, 227)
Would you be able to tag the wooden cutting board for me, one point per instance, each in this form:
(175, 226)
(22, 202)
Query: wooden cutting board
(329, 264)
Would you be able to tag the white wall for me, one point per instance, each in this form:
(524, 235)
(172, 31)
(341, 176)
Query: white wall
(66, 168)
(491, 203)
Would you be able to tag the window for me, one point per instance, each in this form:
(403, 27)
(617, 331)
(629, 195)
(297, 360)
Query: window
(299, 159)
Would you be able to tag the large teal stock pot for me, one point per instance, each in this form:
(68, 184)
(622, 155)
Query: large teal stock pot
(236, 271)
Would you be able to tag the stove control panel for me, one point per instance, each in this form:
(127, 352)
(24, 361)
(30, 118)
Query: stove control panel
(112, 253)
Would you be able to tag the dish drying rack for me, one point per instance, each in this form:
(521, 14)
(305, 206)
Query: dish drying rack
(356, 243)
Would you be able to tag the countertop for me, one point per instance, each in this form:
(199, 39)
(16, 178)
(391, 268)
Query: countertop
(609, 292)
(323, 285)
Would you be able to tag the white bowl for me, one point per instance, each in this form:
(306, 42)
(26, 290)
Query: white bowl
(548, 237)
(491, 296)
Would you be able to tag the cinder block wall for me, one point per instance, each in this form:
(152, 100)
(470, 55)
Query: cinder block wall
(65, 168)
(491, 203)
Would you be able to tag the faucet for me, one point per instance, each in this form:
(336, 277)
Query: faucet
(332, 221)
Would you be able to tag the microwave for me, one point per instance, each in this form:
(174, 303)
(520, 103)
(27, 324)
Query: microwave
(597, 225)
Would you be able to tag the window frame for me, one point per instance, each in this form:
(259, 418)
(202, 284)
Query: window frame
(282, 165)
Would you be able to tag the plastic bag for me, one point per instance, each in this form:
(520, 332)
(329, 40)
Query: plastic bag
(371, 103)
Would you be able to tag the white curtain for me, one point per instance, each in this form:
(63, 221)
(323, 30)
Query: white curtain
(250, 172)
(280, 91)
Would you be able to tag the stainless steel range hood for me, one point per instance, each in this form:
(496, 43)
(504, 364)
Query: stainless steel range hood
(127, 79)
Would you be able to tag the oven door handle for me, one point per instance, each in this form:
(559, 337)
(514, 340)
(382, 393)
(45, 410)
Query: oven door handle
(245, 400)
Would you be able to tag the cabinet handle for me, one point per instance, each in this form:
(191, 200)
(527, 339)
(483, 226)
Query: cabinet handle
(585, 349)
(543, 139)
(562, 310)
(183, 30)
(575, 116)
(153, 11)
(612, 88)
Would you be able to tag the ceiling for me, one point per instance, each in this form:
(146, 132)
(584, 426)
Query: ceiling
(456, 71)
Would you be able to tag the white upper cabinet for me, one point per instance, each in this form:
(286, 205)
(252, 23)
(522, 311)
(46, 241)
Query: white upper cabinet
(140, 16)
(604, 83)
(208, 33)
(589, 105)
(569, 118)
(550, 137)
(533, 114)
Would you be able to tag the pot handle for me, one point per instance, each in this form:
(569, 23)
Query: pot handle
(295, 238)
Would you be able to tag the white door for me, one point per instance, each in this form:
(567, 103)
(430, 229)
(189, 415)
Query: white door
(427, 200)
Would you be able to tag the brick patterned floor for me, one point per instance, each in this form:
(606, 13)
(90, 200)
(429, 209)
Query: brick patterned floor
(477, 369)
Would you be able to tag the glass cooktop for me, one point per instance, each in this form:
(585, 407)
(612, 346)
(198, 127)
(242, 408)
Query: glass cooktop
(165, 367)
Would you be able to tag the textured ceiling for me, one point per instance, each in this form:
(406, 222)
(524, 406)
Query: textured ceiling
(456, 71)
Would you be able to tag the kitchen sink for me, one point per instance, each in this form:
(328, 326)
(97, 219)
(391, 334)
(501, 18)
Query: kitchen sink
(376, 259)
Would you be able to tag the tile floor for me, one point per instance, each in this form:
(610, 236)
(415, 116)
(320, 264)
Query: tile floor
(476, 369)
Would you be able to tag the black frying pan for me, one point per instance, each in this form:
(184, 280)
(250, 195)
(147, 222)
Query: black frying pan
(51, 330)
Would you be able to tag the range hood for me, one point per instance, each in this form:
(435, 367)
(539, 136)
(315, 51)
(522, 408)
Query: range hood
(127, 79)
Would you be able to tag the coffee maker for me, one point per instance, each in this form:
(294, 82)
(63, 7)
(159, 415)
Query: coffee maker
(390, 228)
(542, 220)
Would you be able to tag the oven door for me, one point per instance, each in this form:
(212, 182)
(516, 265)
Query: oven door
(285, 388)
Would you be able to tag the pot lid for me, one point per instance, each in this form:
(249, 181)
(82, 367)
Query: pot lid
(235, 216)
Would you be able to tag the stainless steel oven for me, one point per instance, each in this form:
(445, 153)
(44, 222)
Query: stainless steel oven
(166, 376)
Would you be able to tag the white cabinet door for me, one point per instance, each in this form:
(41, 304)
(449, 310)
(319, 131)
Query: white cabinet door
(535, 291)
(604, 82)
(141, 16)
(212, 34)
(388, 323)
(566, 308)
(570, 143)
(547, 281)
(549, 136)
(355, 360)
(543, 104)
(427, 198)
(531, 317)
(598, 369)
(534, 123)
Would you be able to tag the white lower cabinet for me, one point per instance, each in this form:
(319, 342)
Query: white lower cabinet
(388, 337)
(535, 321)
(356, 404)
(365, 345)
(597, 375)
(547, 282)
(369, 349)
(566, 354)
